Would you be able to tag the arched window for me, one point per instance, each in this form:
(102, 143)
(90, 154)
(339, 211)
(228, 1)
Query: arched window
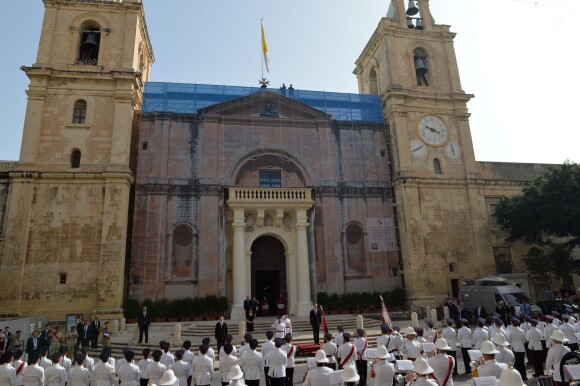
(421, 62)
(355, 248)
(75, 159)
(90, 44)
(437, 166)
(373, 81)
(182, 251)
(80, 112)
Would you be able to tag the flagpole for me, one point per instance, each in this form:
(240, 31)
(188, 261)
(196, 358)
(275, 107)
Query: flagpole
(261, 53)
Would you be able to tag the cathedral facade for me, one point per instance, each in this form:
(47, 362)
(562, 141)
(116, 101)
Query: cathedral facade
(126, 188)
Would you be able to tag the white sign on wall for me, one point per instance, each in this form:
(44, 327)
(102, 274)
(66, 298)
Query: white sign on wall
(381, 234)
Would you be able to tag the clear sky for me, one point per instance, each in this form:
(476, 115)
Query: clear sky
(518, 57)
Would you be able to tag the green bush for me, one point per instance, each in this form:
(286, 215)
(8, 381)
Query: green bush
(131, 308)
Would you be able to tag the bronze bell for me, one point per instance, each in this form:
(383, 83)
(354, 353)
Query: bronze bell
(419, 24)
(410, 23)
(90, 41)
(412, 8)
(420, 67)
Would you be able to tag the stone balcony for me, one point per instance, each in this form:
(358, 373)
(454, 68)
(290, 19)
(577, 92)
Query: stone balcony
(275, 197)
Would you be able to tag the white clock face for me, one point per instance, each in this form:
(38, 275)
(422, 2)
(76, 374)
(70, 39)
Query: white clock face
(433, 130)
(418, 149)
(453, 150)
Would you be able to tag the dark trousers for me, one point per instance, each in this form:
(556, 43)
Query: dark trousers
(144, 382)
(544, 351)
(316, 334)
(465, 356)
(289, 376)
(95, 340)
(253, 382)
(454, 355)
(266, 377)
(537, 360)
(519, 364)
(220, 343)
(361, 368)
(277, 381)
(528, 353)
(144, 330)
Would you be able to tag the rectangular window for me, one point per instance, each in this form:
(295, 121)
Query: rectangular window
(270, 179)
(79, 115)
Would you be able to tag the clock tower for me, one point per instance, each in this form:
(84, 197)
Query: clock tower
(69, 206)
(410, 63)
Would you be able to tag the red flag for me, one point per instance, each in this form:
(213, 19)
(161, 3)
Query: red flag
(386, 319)
(324, 324)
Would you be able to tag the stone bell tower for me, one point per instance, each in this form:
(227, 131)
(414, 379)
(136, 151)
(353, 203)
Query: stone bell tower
(68, 210)
(410, 62)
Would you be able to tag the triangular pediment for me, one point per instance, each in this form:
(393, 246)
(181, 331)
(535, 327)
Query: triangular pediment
(265, 105)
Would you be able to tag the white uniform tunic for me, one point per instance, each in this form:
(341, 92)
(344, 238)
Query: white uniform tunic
(280, 329)
(411, 348)
(330, 349)
(7, 375)
(344, 352)
(464, 337)
(505, 355)
(202, 369)
(143, 364)
(252, 363)
(517, 339)
(55, 375)
(450, 335)
(33, 375)
(267, 346)
(555, 354)
(384, 373)
(277, 360)
(79, 376)
(103, 375)
(226, 363)
(129, 374)
(182, 371)
(442, 365)
(491, 368)
(155, 372)
(318, 376)
(19, 374)
(479, 336)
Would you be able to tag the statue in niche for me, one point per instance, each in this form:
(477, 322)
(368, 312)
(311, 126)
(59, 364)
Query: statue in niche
(269, 111)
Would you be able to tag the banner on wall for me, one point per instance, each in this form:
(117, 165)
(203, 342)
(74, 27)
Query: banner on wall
(381, 234)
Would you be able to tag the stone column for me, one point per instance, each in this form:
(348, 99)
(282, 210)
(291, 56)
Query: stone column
(239, 266)
(303, 279)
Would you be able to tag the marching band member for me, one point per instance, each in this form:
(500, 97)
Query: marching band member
(442, 363)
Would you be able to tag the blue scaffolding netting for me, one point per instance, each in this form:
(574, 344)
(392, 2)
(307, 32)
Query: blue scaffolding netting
(182, 98)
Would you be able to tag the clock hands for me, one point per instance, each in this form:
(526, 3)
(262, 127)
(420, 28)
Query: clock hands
(433, 130)
(419, 148)
(452, 149)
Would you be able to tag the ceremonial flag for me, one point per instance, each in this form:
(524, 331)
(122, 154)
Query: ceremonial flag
(265, 50)
(386, 319)
(324, 324)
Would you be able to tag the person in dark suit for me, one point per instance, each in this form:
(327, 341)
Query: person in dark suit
(33, 345)
(144, 321)
(95, 329)
(79, 328)
(85, 334)
(45, 337)
(480, 312)
(315, 322)
(221, 331)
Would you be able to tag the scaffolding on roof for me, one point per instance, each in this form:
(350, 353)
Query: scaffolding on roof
(182, 98)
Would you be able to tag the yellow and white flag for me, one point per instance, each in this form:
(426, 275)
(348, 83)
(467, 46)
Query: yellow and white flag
(265, 50)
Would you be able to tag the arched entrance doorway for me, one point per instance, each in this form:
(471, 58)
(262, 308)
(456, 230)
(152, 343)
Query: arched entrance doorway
(268, 270)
